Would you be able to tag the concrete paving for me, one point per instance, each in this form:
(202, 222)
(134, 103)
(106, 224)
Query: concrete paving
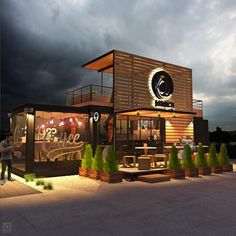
(16, 188)
(195, 206)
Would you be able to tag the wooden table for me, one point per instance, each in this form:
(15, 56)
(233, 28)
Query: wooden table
(145, 149)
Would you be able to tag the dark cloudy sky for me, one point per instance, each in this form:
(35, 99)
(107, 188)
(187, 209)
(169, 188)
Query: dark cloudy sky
(44, 43)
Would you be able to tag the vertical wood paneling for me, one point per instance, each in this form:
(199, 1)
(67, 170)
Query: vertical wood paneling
(131, 82)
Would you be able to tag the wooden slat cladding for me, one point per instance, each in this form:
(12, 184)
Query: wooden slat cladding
(131, 75)
(177, 128)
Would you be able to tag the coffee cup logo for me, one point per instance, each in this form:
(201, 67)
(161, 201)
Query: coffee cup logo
(161, 84)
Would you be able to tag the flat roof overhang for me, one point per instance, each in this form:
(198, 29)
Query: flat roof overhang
(66, 109)
(149, 112)
(103, 63)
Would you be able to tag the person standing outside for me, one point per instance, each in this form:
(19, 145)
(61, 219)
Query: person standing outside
(6, 149)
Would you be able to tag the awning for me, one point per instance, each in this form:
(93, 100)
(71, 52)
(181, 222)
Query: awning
(149, 112)
(102, 63)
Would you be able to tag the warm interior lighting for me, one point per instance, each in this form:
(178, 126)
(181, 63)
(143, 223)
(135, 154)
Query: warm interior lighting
(61, 123)
(42, 126)
(71, 119)
(79, 123)
(51, 121)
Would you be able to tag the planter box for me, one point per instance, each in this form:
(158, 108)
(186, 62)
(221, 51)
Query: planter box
(111, 178)
(176, 174)
(83, 172)
(204, 170)
(216, 169)
(191, 172)
(93, 174)
(227, 168)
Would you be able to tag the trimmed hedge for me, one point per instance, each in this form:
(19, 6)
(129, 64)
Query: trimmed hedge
(212, 157)
(200, 160)
(88, 155)
(187, 160)
(174, 163)
(97, 162)
(110, 164)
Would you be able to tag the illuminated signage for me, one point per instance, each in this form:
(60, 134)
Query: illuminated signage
(161, 88)
(96, 116)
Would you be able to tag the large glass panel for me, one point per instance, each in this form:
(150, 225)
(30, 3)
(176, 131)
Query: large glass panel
(105, 129)
(19, 130)
(134, 128)
(121, 128)
(59, 136)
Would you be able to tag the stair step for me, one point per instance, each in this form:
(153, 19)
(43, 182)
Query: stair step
(154, 178)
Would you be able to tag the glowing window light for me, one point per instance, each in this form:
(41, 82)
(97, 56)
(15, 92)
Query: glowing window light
(61, 123)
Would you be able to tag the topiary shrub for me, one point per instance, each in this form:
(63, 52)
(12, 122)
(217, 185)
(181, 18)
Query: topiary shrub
(88, 155)
(29, 177)
(212, 157)
(200, 160)
(223, 155)
(174, 163)
(48, 186)
(97, 161)
(110, 164)
(187, 160)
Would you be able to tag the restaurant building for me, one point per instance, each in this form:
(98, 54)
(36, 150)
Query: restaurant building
(149, 102)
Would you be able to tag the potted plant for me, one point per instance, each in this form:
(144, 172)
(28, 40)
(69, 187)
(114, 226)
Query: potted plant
(224, 159)
(188, 164)
(97, 164)
(86, 161)
(201, 162)
(174, 169)
(213, 161)
(110, 173)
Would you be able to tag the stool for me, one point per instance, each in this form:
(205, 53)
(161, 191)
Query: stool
(144, 163)
(125, 161)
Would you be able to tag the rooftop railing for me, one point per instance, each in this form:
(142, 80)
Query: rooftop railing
(197, 104)
(89, 93)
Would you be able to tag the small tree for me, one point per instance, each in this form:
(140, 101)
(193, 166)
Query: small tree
(88, 155)
(174, 163)
(110, 165)
(223, 155)
(187, 160)
(212, 157)
(200, 160)
(97, 162)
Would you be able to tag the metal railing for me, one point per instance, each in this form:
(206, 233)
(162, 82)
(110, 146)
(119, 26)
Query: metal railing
(89, 93)
(197, 104)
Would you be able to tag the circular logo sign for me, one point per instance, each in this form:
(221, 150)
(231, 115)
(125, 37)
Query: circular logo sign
(161, 84)
(96, 116)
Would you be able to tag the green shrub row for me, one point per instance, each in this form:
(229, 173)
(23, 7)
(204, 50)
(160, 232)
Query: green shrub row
(98, 163)
(200, 161)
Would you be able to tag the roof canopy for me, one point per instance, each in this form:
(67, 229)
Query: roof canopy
(156, 113)
(102, 63)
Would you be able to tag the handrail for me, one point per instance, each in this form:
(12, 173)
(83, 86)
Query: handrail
(198, 104)
(93, 85)
(85, 93)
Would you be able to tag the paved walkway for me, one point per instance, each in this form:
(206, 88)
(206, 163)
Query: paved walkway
(15, 188)
(203, 206)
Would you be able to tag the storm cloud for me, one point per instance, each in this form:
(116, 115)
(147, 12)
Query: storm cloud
(44, 43)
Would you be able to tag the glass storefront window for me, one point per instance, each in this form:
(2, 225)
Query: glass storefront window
(19, 131)
(105, 129)
(59, 136)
